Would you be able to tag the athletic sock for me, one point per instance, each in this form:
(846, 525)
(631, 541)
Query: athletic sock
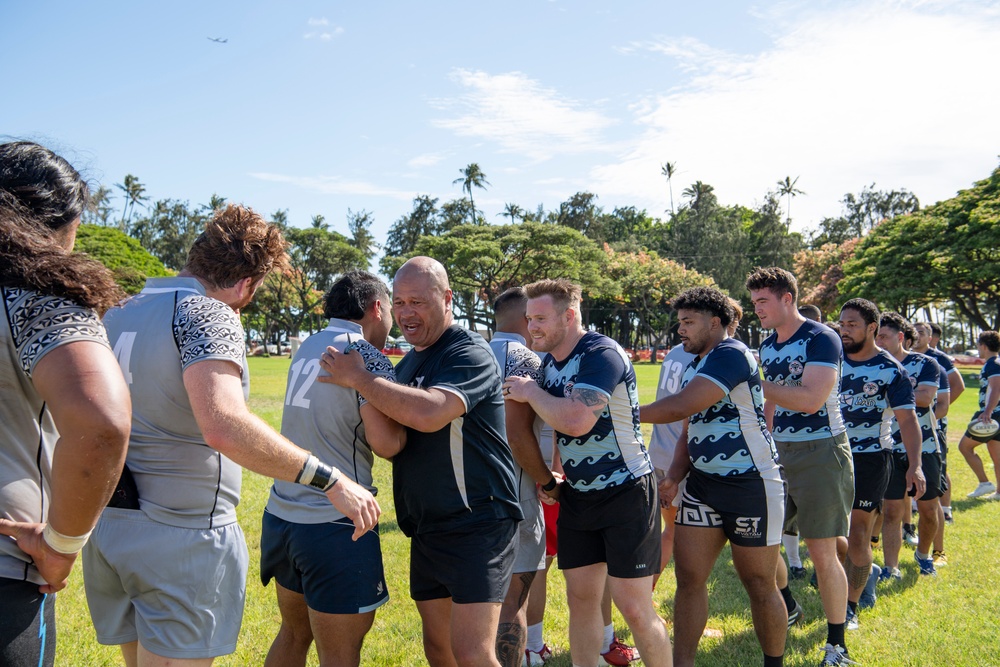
(609, 636)
(774, 661)
(946, 509)
(535, 642)
(921, 556)
(786, 594)
(791, 544)
(835, 635)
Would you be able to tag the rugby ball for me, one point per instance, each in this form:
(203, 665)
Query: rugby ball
(984, 430)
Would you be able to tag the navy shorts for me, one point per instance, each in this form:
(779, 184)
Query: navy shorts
(749, 508)
(320, 561)
(896, 490)
(619, 525)
(27, 625)
(931, 463)
(469, 565)
(871, 479)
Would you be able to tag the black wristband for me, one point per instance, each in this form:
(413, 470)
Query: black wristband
(550, 485)
(321, 478)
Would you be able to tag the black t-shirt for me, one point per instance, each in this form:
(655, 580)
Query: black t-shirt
(463, 473)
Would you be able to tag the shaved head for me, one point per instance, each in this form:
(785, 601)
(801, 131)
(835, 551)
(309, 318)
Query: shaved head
(426, 267)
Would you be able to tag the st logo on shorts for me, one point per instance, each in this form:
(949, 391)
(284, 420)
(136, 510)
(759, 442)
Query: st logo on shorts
(748, 527)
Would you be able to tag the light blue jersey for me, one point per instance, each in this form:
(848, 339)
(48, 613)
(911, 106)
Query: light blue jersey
(783, 363)
(730, 437)
(869, 392)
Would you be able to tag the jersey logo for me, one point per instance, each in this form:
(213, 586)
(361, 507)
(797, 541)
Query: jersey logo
(420, 381)
(913, 382)
(871, 388)
(568, 390)
(795, 368)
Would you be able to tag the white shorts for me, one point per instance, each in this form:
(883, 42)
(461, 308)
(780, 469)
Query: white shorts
(178, 591)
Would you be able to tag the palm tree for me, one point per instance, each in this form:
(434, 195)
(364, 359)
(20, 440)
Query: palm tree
(698, 192)
(472, 177)
(787, 188)
(134, 194)
(514, 211)
(668, 169)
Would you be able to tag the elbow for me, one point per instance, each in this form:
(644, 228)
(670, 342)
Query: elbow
(577, 427)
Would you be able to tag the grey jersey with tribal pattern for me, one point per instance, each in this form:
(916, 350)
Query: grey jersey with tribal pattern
(156, 335)
(326, 420)
(33, 325)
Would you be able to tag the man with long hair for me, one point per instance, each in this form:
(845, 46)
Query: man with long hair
(64, 418)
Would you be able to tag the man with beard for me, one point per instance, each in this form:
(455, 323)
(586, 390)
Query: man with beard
(874, 388)
(609, 517)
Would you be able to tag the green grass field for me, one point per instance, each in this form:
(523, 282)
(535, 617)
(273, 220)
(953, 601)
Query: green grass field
(950, 620)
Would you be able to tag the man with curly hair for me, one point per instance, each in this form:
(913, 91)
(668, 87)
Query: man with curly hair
(733, 490)
(165, 571)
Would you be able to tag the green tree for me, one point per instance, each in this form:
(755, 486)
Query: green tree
(406, 232)
(135, 195)
(472, 177)
(668, 169)
(169, 230)
(787, 189)
(122, 254)
(580, 212)
(457, 212)
(819, 272)
(514, 211)
(484, 260)
(360, 227)
(862, 211)
(99, 209)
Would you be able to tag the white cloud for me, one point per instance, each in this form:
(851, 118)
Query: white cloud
(897, 93)
(521, 115)
(318, 22)
(426, 160)
(334, 185)
(323, 35)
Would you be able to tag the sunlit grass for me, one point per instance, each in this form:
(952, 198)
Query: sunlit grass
(950, 619)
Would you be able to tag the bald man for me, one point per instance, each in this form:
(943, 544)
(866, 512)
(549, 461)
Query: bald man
(453, 482)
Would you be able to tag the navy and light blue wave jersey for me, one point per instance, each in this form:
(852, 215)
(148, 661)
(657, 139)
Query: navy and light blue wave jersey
(869, 391)
(923, 371)
(612, 452)
(947, 365)
(783, 363)
(990, 369)
(730, 437)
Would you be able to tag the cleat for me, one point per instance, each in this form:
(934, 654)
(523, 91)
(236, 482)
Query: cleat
(983, 489)
(909, 536)
(619, 655)
(940, 559)
(835, 655)
(868, 596)
(852, 619)
(993, 496)
(796, 572)
(949, 518)
(926, 565)
(794, 614)
(533, 658)
(875, 542)
(890, 575)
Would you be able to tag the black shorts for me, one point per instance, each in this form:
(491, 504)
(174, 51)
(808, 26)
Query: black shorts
(931, 463)
(896, 490)
(27, 625)
(470, 565)
(750, 509)
(871, 479)
(978, 438)
(297, 556)
(619, 526)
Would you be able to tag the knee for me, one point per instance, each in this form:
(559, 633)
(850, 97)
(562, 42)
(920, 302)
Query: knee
(297, 637)
(760, 587)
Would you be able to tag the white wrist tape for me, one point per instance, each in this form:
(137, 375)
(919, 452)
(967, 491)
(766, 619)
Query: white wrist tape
(63, 544)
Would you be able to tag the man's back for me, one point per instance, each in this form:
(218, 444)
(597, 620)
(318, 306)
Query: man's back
(326, 420)
(157, 334)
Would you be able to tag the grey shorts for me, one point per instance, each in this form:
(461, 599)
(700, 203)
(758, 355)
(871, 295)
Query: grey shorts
(820, 475)
(178, 591)
(531, 531)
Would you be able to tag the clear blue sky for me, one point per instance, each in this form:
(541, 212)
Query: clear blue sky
(317, 107)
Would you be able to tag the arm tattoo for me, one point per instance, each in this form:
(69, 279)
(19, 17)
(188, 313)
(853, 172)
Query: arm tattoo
(592, 399)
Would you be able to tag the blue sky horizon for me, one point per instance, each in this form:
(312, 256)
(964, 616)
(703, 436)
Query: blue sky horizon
(320, 107)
